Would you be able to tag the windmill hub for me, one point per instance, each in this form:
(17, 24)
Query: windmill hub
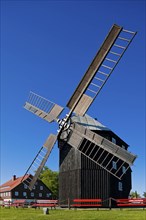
(64, 123)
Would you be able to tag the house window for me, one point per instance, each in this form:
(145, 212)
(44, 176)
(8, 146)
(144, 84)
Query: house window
(41, 187)
(24, 194)
(120, 186)
(114, 165)
(113, 140)
(32, 194)
(25, 186)
(3, 194)
(123, 169)
(34, 187)
(40, 194)
(16, 193)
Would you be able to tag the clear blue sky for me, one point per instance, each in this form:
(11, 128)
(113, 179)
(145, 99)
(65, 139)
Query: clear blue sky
(46, 46)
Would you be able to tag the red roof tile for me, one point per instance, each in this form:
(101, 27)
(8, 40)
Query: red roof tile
(9, 185)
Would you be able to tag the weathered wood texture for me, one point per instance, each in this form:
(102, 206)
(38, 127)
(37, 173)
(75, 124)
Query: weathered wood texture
(81, 178)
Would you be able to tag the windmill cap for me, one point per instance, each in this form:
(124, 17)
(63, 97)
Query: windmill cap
(89, 122)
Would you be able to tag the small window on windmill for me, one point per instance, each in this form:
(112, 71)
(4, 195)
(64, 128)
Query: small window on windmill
(113, 140)
(123, 146)
(114, 165)
(123, 169)
(120, 186)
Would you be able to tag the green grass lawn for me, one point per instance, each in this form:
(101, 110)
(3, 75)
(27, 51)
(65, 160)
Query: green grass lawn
(65, 214)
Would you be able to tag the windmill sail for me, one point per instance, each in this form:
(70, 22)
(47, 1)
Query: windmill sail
(100, 150)
(39, 161)
(42, 107)
(100, 69)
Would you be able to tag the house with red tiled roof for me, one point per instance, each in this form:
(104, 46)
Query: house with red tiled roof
(15, 189)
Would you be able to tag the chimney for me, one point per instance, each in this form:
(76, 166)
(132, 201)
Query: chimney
(14, 178)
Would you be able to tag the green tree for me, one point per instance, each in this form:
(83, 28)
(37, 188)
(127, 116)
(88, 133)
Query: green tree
(50, 178)
(134, 195)
(144, 194)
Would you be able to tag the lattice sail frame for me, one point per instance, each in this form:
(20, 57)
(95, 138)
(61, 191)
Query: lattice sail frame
(100, 69)
(39, 162)
(42, 107)
(100, 150)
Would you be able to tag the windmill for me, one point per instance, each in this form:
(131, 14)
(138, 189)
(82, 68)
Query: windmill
(95, 147)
